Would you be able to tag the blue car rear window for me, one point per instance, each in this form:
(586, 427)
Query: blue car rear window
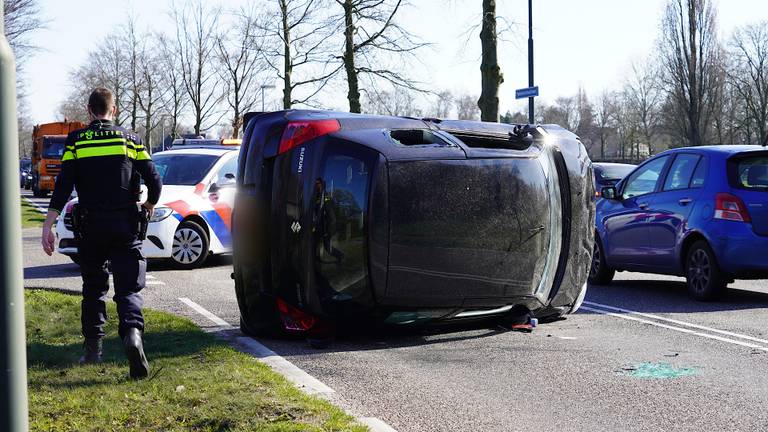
(752, 173)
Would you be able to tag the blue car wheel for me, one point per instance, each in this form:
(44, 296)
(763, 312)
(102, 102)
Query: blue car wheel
(705, 280)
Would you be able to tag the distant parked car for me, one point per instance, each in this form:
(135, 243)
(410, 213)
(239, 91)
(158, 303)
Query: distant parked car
(608, 174)
(698, 212)
(25, 173)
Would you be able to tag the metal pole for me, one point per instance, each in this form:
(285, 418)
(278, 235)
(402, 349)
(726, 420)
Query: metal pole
(13, 361)
(530, 59)
(262, 98)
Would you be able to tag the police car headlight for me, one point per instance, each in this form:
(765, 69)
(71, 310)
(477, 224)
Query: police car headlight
(160, 213)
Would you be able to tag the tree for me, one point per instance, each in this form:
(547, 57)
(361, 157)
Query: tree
(195, 47)
(175, 99)
(370, 28)
(151, 90)
(241, 67)
(298, 35)
(643, 96)
(490, 71)
(21, 18)
(606, 111)
(690, 55)
(466, 108)
(443, 106)
(749, 75)
(398, 101)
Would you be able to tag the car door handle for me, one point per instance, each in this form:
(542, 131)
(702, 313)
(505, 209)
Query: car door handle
(643, 205)
(685, 201)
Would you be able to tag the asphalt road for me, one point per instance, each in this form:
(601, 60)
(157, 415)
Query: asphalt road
(579, 374)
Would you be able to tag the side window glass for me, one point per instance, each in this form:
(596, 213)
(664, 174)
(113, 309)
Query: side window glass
(680, 174)
(700, 175)
(230, 167)
(643, 181)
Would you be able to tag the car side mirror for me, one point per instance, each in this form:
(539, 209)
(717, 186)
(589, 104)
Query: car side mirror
(609, 192)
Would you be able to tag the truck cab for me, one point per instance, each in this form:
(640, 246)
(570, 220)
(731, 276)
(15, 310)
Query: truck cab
(47, 148)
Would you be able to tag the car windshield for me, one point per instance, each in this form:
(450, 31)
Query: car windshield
(753, 173)
(613, 172)
(53, 147)
(183, 169)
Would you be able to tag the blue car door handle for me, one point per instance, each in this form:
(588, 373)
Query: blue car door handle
(685, 201)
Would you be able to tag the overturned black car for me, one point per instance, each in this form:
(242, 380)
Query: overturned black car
(343, 217)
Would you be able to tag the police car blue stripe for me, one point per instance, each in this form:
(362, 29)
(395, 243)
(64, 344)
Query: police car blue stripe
(217, 226)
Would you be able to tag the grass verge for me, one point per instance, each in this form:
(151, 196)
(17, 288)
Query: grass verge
(30, 217)
(197, 382)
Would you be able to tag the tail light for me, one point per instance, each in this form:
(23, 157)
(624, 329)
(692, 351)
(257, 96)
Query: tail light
(297, 133)
(294, 319)
(730, 207)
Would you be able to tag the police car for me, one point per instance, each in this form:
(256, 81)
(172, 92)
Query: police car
(192, 218)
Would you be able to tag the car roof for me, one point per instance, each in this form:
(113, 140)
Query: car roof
(612, 164)
(725, 149)
(214, 151)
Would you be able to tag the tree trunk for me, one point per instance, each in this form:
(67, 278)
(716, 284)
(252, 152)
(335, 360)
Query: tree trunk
(693, 97)
(489, 67)
(287, 64)
(353, 94)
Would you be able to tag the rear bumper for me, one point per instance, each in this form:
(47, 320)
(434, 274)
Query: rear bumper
(740, 252)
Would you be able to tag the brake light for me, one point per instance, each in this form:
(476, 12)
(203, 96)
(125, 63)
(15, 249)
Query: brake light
(730, 207)
(294, 319)
(297, 133)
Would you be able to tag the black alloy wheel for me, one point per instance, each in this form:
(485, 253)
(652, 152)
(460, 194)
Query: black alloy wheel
(705, 280)
(599, 272)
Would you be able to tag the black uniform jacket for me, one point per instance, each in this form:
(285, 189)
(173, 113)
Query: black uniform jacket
(103, 161)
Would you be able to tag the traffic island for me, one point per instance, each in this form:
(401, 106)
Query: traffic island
(196, 382)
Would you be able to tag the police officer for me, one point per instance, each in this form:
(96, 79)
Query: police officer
(102, 162)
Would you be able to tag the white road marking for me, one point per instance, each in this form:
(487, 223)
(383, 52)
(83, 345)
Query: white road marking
(567, 337)
(154, 282)
(293, 373)
(304, 381)
(680, 329)
(204, 312)
(682, 323)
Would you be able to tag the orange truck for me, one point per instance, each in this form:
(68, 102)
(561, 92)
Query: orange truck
(47, 148)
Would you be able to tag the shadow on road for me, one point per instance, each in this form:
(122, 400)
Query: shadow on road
(52, 271)
(373, 337)
(670, 296)
(160, 265)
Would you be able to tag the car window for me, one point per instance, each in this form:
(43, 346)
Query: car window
(644, 180)
(680, 173)
(700, 175)
(753, 173)
(183, 169)
(229, 167)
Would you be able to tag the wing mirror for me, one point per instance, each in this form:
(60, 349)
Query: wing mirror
(609, 192)
(227, 180)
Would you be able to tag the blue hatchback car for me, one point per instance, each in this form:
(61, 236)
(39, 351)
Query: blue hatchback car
(698, 212)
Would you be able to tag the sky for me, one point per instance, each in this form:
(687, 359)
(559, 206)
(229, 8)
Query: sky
(587, 43)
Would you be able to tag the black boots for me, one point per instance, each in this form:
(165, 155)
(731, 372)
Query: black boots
(92, 351)
(134, 350)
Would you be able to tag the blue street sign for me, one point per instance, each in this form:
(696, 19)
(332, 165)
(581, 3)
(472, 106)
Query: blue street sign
(527, 92)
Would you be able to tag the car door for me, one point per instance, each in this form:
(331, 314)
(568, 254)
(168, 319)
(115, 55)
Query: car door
(626, 219)
(671, 207)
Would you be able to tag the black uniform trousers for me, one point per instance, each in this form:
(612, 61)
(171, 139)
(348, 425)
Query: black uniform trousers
(112, 236)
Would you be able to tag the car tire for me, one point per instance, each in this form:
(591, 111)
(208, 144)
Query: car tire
(702, 273)
(190, 246)
(599, 272)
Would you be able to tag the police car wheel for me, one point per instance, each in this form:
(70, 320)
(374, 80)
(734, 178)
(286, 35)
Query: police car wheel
(190, 245)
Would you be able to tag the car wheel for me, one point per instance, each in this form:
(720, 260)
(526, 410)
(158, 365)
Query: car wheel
(705, 280)
(599, 272)
(190, 245)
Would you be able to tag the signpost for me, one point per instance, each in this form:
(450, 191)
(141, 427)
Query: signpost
(529, 92)
(530, 61)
